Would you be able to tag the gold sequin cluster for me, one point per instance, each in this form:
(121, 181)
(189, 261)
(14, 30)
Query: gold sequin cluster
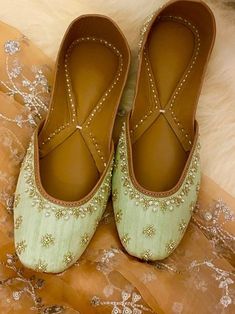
(47, 240)
(16, 200)
(125, 239)
(18, 222)
(170, 247)
(41, 266)
(182, 226)
(68, 258)
(85, 239)
(118, 216)
(20, 247)
(149, 231)
(146, 255)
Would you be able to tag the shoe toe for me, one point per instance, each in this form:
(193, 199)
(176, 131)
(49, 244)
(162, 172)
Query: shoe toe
(151, 227)
(152, 233)
(49, 235)
(51, 242)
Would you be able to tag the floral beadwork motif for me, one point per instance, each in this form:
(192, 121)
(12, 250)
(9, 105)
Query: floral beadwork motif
(170, 246)
(21, 246)
(129, 304)
(149, 231)
(85, 239)
(47, 240)
(68, 258)
(182, 226)
(145, 201)
(41, 266)
(41, 204)
(114, 195)
(16, 200)
(125, 239)
(34, 92)
(18, 222)
(146, 255)
(118, 216)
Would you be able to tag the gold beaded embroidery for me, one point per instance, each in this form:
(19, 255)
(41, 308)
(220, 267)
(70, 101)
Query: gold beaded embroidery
(59, 213)
(149, 231)
(41, 266)
(91, 209)
(20, 247)
(68, 258)
(182, 226)
(170, 246)
(47, 240)
(125, 239)
(118, 216)
(18, 222)
(114, 195)
(16, 200)
(96, 224)
(197, 188)
(145, 203)
(85, 239)
(146, 255)
(192, 207)
(164, 204)
(38, 201)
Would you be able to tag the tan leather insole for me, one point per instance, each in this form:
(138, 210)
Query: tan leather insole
(158, 154)
(69, 171)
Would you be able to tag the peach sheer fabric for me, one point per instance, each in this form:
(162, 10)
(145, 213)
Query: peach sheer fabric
(197, 278)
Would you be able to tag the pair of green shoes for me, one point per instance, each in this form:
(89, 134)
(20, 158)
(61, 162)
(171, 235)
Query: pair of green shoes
(67, 174)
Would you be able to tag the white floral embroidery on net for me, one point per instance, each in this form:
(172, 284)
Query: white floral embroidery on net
(34, 92)
(212, 222)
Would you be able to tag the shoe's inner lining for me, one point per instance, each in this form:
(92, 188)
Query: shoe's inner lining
(163, 121)
(77, 151)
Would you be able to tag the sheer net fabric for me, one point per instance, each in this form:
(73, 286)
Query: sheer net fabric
(197, 277)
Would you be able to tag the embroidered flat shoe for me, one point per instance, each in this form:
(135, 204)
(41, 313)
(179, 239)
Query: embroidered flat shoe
(65, 179)
(157, 171)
